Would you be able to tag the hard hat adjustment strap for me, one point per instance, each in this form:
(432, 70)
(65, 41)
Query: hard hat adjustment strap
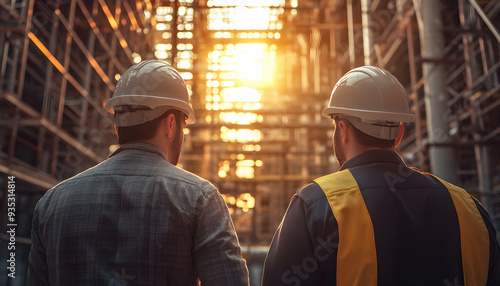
(130, 108)
(139, 115)
(378, 129)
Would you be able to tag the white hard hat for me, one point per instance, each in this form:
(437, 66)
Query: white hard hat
(372, 99)
(147, 90)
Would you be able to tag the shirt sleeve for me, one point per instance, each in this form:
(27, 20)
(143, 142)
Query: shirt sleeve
(303, 250)
(37, 262)
(494, 265)
(217, 252)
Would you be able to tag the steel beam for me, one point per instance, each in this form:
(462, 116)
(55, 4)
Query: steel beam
(67, 75)
(114, 25)
(28, 175)
(97, 32)
(85, 51)
(52, 127)
(486, 20)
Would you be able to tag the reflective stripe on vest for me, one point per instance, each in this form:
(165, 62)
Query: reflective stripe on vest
(356, 257)
(474, 237)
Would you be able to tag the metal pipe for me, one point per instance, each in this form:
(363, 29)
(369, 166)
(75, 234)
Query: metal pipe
(443, 159)
(414, 95)
(350, 29)
(3, 63)
(480, 151)
(367, 33)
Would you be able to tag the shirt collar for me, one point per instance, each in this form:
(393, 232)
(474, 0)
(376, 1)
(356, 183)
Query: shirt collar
(373, 156)
(142, 146)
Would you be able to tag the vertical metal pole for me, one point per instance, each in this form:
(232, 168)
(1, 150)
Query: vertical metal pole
(350, 29)
(367, 33)
(5, 57)
(22, 74)
(414, 95)
(11, 76)
(47, 92)
(175, 15)
(495, 78)
(86, 86)
(333, 46)
(255, 227)
(315, 52)
(3, 45)
(480, 151)
(304, 63)
(24, 59)
(442, 155)
(62, 95)
(281, 193)
(484, 56)
(113, 48)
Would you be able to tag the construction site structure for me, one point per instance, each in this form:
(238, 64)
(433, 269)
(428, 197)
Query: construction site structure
(258, 75)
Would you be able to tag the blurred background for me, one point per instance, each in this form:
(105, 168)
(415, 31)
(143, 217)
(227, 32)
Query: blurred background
(259, 73)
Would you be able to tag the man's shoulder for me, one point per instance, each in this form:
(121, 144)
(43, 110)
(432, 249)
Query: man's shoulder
(336, 182)
(315, 191)
(69, 183)
(311, 194)
(191, 179)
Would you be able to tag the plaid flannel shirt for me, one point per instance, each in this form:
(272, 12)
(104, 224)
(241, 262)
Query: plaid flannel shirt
(134, 219)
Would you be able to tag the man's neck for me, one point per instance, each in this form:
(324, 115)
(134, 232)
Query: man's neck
(359, 149)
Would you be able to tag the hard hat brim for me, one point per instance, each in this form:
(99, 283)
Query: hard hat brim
(371, 115)
(151, 102)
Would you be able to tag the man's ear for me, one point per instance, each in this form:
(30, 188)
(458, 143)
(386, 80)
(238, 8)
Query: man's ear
(400, 135)
(345, 131)
(168, 125)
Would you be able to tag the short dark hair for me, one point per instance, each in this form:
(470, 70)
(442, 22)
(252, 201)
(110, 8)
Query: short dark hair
(370, 141)
(146, 130)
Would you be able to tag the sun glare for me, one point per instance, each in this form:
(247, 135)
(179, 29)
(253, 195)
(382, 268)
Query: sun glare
(239, 71)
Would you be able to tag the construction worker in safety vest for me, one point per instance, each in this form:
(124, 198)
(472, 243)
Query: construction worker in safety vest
(377, 221)
(136, 218)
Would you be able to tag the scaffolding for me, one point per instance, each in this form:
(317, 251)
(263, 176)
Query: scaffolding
(257, 83)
